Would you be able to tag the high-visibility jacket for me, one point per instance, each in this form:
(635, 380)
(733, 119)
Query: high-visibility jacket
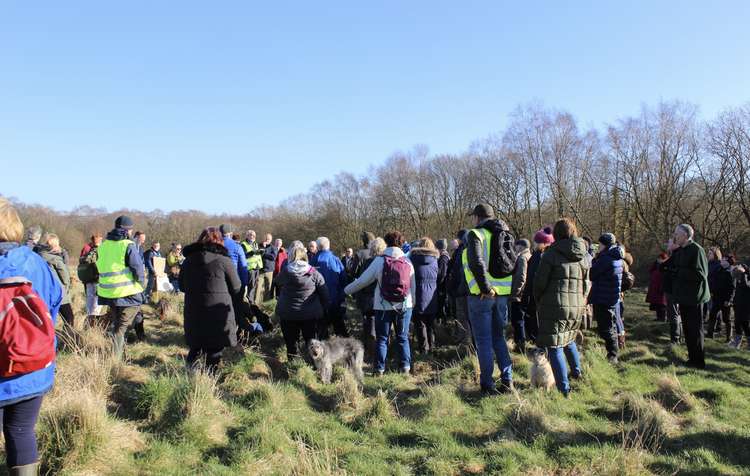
(116, 280)
(502, 286)
(255, 261)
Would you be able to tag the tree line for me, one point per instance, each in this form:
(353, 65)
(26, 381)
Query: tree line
(637, 177)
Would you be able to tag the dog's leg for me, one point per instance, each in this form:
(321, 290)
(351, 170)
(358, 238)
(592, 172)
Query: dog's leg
(325, 372)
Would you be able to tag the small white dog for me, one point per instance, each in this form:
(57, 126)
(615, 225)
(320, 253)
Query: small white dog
(541, 370)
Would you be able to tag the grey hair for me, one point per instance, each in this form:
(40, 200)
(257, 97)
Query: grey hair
(324, 243)
(34, 233)
(377, 247)
(687, 229)
(295, 244)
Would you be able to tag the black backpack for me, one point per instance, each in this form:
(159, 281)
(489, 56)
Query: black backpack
(87, 270)
(502, 261)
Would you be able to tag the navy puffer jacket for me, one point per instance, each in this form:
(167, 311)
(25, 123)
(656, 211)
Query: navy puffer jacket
(425, 263)
(606, 277)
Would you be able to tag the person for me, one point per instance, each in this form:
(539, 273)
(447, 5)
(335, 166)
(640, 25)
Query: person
(148, 261)
(33, 235)
(606, 283)
(281, 257)
(714, 256)
(443, 263)
(21, 395)
(673, 310)
(560, 290)
(237, 255)
(363, 254)
(690, 291)
(209, 279)
(265, 279)
(254, 257)
(722, 295)
(312, 250)
(741, 304)
(424, 258)
(519, 305)
(49, 249)
(627, 263)
(174, 263)
(458, 290)
(655, 296)
(488, 300)
(394, 311)
(139, 238)
(332, 269)
(121, 278)
(302, 301)
(542, 240)
(89, 276)
(365, 298)
(347, 259)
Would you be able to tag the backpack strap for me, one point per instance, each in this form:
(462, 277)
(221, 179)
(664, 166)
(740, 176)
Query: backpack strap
(14, 281)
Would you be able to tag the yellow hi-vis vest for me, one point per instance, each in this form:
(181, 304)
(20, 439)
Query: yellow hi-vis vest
(500, 285)
(255, 261)
(115, 279)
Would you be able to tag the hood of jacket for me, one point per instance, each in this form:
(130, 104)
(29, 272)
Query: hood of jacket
(118, 234)
(615, 252)
(205, 252)
(394, 252)
(573, 249)
(494, 225)
(299, 267)
(425, 252)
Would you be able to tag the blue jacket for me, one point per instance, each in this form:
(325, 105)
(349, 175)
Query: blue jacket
(606, 277)
(18, 260)
(425, 262)
(134, 261)
(237, 255)
(333, 271)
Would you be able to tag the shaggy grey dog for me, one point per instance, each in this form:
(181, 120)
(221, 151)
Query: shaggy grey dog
(541, 370)
(347, 351)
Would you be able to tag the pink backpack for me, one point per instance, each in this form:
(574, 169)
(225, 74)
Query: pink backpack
(395, 280)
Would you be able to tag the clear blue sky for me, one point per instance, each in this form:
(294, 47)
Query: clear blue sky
(222, 106)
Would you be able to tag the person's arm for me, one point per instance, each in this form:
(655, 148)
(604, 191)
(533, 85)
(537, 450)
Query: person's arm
(135, 263)
(519, 279)
(64, 274)
(541, 279)
(368, 276)
(477, 266)
(242, 272)
(696, 266)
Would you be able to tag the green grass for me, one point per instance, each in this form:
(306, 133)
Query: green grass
(263, 415)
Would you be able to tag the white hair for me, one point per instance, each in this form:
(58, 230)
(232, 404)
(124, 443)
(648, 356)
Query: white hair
(687, 229)
(324, 243)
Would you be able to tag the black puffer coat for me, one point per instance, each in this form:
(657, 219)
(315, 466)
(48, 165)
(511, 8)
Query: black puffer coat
(209, 280)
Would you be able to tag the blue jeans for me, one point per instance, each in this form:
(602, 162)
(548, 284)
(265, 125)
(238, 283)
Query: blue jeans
(557, 357)
(383, 321)
(488, 318)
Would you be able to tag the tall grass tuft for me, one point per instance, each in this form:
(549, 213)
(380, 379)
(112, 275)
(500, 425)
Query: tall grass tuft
(645, 423)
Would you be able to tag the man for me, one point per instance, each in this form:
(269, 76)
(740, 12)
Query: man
(237, 255)
(458, 289)
(606, 282)
(332, 270)
(121, 276)
(254, 257)
(33, 235)
(140, 242)
(148, 260)
(518, 304)
(265, 279)
(349, 263)
(690, 290)
(312, 250)
(488, 299)
(442, 278)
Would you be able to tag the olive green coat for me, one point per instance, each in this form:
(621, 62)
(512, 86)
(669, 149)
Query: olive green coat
(690, 278)
(61, 271)
(560, 289)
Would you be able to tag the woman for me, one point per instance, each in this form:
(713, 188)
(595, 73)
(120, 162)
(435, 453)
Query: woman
(542, 240)
(560, 290)
(49, 249)
(21, 396)
(303, 297)
(655, 296)
(387, 312)
(376, 247)
(209, 280)
(174, 262)
(741, 275)
(424, 258)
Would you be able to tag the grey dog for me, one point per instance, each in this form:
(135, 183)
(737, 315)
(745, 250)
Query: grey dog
(347, 351)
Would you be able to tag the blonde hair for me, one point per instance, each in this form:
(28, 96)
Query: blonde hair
(426, 242)
(11, 228)
(377, 247)
(297, 254)
(716, 251)
(51, 240)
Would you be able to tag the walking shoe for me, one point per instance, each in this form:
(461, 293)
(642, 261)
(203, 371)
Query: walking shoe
(736, 343)
(405, 370)
(612, 359)
(506, 386)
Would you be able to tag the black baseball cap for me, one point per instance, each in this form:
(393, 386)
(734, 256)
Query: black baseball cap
(124, 222)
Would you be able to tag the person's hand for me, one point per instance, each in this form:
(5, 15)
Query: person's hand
(671, 246)
(488, 295)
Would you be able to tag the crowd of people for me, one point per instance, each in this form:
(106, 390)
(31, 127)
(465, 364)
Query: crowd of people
(543, 290)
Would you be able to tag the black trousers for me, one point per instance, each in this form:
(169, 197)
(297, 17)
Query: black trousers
(291, 331)
(606, 325)
(252, 284)
(661, 312)
(335, 317)
(518, 320)
(424, 331)
(212, 357)
(66, 311)
(531, 322)
(692, 326)
(713, 319)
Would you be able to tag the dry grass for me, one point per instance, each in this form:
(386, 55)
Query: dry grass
(645, 423)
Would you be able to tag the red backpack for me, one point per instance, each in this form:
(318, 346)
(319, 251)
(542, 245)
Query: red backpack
(27, 333)
(395, 280)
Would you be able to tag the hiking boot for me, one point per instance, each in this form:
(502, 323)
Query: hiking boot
(612, 359)
(506, 386)
(736, 343)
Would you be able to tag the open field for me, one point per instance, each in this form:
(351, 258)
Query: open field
(263, 415)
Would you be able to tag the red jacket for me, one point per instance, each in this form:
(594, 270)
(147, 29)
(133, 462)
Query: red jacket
(656, 287)
(280, 259)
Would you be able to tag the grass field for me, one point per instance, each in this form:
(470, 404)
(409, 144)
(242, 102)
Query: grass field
(263, 415)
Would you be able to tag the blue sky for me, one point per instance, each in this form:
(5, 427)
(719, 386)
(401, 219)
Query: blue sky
(222, 106)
